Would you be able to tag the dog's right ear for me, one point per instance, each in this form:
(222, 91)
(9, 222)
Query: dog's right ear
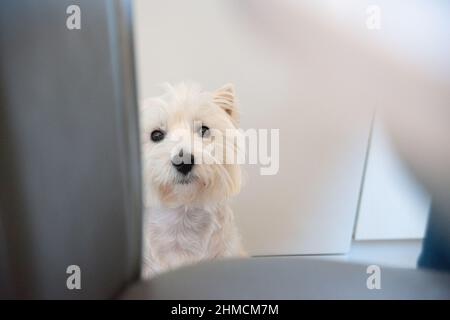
(225, 98)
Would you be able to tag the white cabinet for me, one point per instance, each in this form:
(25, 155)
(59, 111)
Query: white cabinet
(393, 205)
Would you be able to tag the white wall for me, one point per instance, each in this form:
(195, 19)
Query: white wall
(313, 70)
(310, 205)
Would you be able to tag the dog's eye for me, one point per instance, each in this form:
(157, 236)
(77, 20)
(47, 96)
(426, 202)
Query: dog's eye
(204, 131)
(157, 135)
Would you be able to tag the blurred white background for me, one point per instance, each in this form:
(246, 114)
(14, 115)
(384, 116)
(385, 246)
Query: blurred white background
(312, 69)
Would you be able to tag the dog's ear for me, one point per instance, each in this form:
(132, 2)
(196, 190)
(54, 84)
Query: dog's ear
(225, 98)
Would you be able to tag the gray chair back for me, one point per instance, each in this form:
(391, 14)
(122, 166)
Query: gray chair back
(69, 153)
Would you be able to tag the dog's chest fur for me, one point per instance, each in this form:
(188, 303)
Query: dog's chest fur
(181, 230)
(174, 237)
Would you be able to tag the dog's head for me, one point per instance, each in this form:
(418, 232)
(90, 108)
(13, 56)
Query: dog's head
(189, 147)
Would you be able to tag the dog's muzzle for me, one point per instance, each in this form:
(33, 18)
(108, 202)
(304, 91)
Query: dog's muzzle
(183, 162)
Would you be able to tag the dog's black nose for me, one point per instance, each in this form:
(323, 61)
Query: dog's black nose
(183, 162)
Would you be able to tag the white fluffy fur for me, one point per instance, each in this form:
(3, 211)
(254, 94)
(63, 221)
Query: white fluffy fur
(188, 222)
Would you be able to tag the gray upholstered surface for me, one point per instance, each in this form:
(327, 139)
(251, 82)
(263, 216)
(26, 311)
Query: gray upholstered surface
(69, 157)
(289, 278)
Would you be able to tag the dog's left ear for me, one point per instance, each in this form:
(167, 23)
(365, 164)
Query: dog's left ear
(225, 98)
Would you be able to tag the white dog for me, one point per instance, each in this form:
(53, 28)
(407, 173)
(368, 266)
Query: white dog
(187, 180)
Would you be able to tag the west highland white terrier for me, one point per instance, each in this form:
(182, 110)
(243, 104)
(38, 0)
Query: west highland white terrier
(188, 139)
